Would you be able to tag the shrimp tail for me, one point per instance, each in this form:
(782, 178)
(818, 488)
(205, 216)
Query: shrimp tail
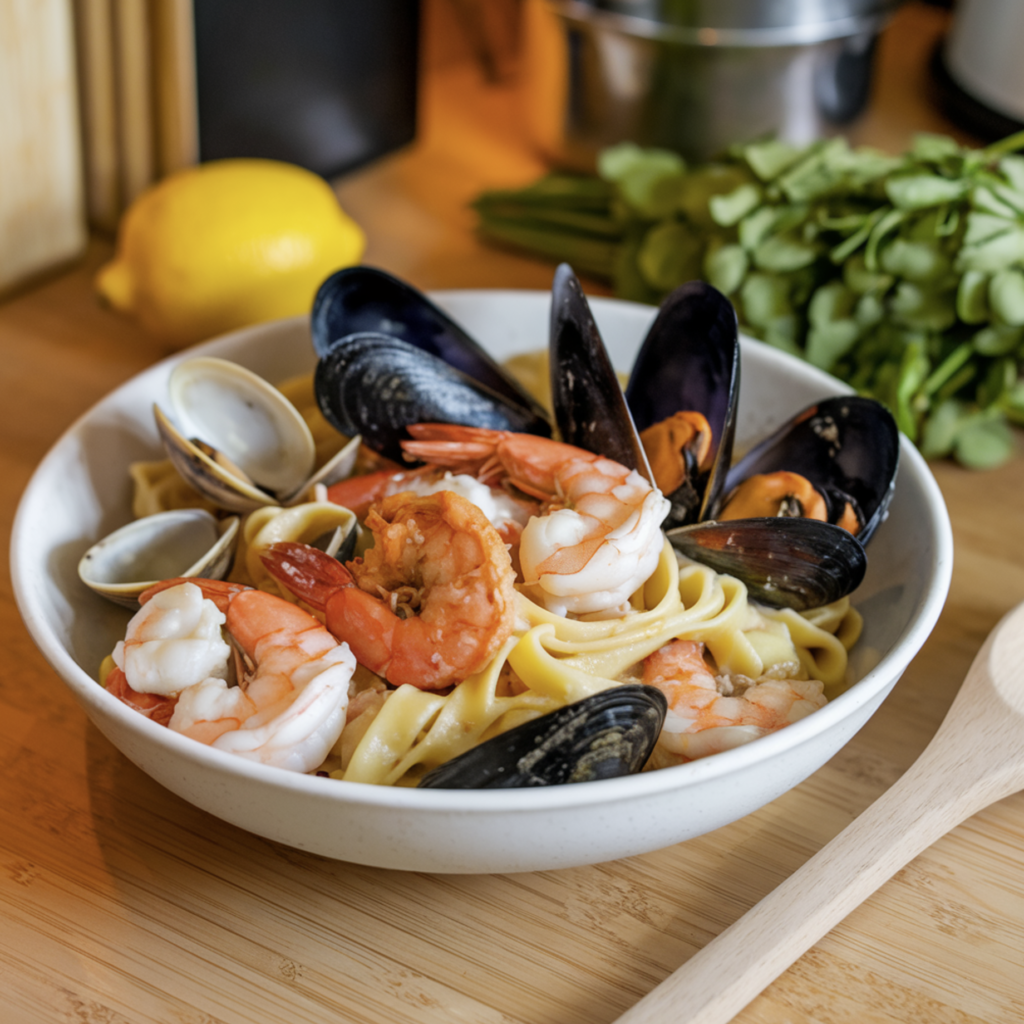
(307, 572)
(219, 591)
(457, 448)
(152, 705)
(525, 461)
(360, 493)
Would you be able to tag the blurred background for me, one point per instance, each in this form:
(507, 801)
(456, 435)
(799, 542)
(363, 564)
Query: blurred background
(105, 97)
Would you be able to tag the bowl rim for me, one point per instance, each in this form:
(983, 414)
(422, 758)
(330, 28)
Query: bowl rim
(535, 799)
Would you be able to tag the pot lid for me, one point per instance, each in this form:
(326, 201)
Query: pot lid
(736, 22)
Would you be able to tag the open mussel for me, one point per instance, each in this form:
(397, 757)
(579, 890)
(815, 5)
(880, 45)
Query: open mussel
(376, 385)
(681, 396)
(798, 508)
(847, 448)
(683, 392)
(784, 562)
(825, 479)
(364, 300)
(606, 735)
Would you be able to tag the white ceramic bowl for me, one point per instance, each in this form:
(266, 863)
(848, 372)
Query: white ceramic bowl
(81, 492)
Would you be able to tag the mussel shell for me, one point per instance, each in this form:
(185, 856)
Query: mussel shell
(846, 444)
(690, 361)
(182, 542)
(837, 501)
(364, 300)
(376, 386)
(590, 408)
(785, 563)
(606, 735)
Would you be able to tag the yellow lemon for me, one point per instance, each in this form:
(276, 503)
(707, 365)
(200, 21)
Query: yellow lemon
(226, 244)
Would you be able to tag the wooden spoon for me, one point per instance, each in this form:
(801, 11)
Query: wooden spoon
(975, 759)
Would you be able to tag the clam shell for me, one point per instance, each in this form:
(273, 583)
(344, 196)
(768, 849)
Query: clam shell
(238, 440)
(183, 542)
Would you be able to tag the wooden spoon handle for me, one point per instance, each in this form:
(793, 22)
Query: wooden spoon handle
(720, 979)
(973, 760)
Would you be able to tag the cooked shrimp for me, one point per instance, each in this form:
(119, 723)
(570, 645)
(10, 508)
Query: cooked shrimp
(360, 493)
(703, 720)
(505, 513)
(289, 706)
(600, 537)
(429, 604)
(152, 705)
(173, 641)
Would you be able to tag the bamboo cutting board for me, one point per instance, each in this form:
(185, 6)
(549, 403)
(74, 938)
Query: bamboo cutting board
(42, 222)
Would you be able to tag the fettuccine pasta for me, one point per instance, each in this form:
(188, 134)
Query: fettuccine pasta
(567, 659)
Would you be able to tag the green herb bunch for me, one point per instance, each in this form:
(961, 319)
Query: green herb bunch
(903, 275)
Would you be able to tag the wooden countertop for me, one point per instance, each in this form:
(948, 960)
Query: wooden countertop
(120, 902)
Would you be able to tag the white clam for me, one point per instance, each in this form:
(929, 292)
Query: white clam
(238, 440)
(183, 542)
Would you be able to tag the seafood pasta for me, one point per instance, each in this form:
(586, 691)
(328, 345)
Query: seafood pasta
(509, 577)
(444, 579)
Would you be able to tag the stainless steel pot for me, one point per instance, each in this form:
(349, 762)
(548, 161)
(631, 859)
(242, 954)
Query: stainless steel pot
(693, 75)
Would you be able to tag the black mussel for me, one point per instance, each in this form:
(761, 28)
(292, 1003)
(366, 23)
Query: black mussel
(846, 447)
(604, 736)
(376, 386)
(590, 408)
(689, 363)
(784, 562)
(363, 300)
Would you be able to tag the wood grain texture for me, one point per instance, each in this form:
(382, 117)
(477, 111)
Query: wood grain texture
(121, 903)
(975, 759)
